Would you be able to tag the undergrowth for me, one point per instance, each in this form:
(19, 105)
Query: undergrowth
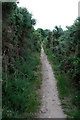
(67, 92)
(21, 62)
(20, 97)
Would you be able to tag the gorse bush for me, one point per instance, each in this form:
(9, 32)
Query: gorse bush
(63, 50)
(65, 46)
(21, 50)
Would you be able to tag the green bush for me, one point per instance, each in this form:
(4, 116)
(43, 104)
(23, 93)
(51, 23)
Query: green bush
(21, 49)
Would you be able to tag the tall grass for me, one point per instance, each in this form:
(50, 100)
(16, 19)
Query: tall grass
(69, 96)
(20, 98)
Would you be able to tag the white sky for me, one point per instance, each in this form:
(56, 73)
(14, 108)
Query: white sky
(49, 13)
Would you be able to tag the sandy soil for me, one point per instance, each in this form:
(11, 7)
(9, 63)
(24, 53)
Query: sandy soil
(50, 103)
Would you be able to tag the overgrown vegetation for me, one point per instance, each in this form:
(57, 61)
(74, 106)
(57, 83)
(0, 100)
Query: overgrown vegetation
(63, 49)
(21, 63)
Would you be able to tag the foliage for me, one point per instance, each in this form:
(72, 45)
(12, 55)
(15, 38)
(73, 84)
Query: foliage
(68, 94)
(21, 50)
(65, 46)
(20, 95)
(64, 49)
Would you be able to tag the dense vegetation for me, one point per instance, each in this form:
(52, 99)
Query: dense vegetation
(21, 63)
(63, 49)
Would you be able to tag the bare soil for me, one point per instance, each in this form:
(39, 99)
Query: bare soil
(50, 103)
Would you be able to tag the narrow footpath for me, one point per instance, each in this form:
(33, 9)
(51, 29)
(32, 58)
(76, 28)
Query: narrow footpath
(50, 103)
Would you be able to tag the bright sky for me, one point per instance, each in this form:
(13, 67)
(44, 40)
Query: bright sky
(49, 13)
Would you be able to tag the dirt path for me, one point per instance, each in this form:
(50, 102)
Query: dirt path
(50, 107)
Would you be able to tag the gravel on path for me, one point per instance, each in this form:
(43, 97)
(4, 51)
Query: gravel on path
(50, 103)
